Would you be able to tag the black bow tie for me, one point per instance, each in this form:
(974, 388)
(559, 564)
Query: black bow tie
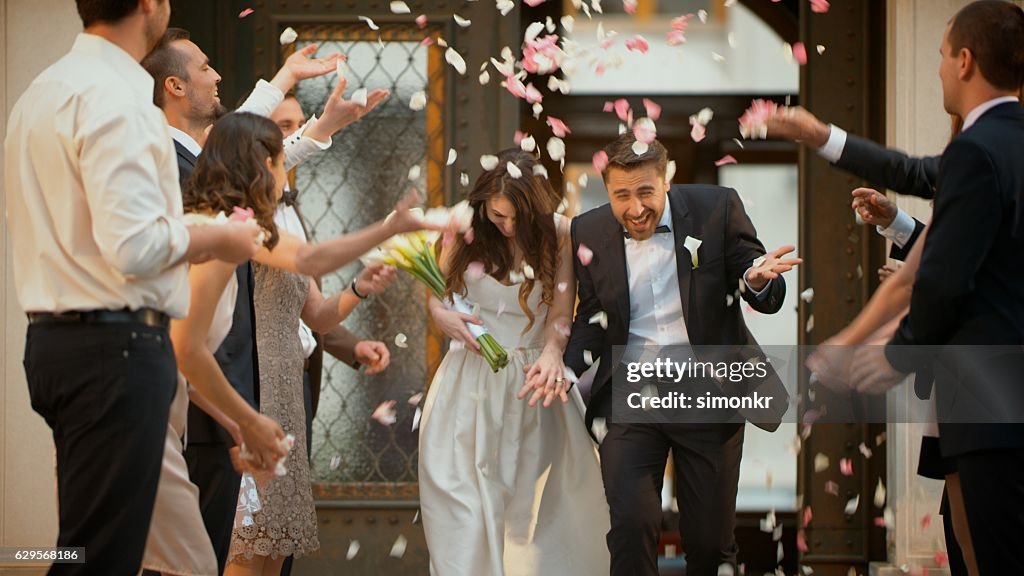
(290, 197)
(663, 229)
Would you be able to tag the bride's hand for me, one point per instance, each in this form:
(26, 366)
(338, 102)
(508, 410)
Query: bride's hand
(453, 324)
(546, 378)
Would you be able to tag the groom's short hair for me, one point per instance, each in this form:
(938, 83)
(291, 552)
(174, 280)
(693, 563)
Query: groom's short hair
(994, 33)
(621, 155)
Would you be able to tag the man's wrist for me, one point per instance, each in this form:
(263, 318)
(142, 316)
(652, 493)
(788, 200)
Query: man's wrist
(355, 290)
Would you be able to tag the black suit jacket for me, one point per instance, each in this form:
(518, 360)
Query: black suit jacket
(713, 214)
(892, 169)
(970, 287)
(237, 354)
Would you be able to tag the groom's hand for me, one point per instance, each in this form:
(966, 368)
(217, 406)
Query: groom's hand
(546, 378)
(770, 267)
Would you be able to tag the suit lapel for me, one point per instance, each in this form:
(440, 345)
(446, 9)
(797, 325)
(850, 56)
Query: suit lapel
(613, 256)
(184, 154)
(682, 226)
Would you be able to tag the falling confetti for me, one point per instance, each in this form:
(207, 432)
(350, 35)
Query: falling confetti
(401, 340)
(359, 96)
(846, 467)
(369, 22)
(414, 173)
(807, 295)
(416, 418)
(353, 549)
(452, 156)
(335, 462)
(399, 7)
(557, 127)
(528, 271)
(288, 36)
(640, 148)
(528, 144)
(462, 22)
(455, 59)
(464, 179)
(600, 161)
(821, 463)
(421, 21)
(692, 245)
(418, 101)
(819, 6)
(638, 44)
(586, 255)
(865, 450)
(556, 148)
(879, 494)
(513, 170)
(800, 53)
(600, 429)
(245, 12)
(488, 162)
(852, 504)
(810, 324)
(724, 160)
(599, 318)
(588, 357)
(398, 548)
(385, 413)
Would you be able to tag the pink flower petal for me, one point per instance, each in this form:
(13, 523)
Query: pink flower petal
(819, 6)
(533, 95)
(801, 541)
(697, 132)
(727, 159)
(753, 123)
(245, 12)
(800, 53)
(239, 214)
(428, 41)
(421, 21)
(807, 516)
(846, 467)
(926, 521)
(518, 137)
(468, 237)
(385, 414)
(622, 108)
(645, 131)
(653, 109)
(558, 127)
(676, 37)
(475, 270)
(608, 107)
(586, 255)
(533, 3)
(629, 6)
(600, 161)
(638, 44)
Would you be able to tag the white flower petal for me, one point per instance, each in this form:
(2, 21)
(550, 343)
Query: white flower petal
(398, 548)
(501, 308)
(528, 271)
(692, 245)
(418, 101)
(452, 156)
(810, 324)
(532, 31)
(455, 59)
(588, 357)
(568, 22)
(820, 48)
(353, 549)
(639, 148)
(341, 67)
(513, 170)
(359, 96)
(556, 148)
(335, 462)
(488, 162)
(599, 318)
(537, 110)
(462, 22)
(414, 400)
(288, 36)
(414, 172)
(385, 413)
(484, 78)
(505, 6)
(879, 494)
(702, 14)
(852, 504)
(401, 340)
(540, 170)
(563, 286)
(464, 178)
(807, 295)
(549, 25)
(528, 144)
(599, 428)
(369, 22)
(583, 179)
(399, 7)
(670, 171)
(416, 419)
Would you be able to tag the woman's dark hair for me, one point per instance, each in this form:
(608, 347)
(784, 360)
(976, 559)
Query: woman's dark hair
(535, 202)
(232, 170)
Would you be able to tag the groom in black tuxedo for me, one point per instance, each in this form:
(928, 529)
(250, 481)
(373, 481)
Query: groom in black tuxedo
(658, 287)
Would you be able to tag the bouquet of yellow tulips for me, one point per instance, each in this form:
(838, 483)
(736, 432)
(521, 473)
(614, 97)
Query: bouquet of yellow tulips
(414, 253)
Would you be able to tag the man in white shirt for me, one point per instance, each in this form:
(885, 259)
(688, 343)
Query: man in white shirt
(666, 261)
(100, 257)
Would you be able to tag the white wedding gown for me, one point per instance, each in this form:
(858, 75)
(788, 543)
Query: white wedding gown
(506, 489)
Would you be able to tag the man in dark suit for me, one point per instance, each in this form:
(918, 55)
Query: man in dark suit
(664, 261)
(969, 291)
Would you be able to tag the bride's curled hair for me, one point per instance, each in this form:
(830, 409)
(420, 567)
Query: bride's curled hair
(535, 202)
(232, 171)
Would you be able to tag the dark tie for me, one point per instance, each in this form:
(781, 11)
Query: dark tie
(663, 229)
(290, 197)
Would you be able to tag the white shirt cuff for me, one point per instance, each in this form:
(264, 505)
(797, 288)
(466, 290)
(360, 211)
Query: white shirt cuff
(759, 294)
(833, 149)
(264, 99)
(901, 229)
(298, 148)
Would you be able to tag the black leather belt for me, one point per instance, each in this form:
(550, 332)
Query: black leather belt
(146, 316)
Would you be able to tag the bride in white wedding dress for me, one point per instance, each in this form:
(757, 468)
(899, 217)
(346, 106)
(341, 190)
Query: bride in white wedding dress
(506, 487)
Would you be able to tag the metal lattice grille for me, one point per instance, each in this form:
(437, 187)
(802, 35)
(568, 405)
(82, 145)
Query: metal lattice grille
(354, 184)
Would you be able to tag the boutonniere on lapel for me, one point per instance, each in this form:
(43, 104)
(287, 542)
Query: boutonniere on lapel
(692, 245)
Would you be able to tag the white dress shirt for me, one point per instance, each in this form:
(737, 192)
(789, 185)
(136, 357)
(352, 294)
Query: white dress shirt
(655, 306)
(287, 219)
(264, 99)
(902, 226)
(94, 206)
(976, 113)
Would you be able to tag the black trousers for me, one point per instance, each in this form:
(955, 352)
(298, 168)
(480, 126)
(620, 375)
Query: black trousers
(105, 390)
(209, 468)
(992, 483)
(707, 468)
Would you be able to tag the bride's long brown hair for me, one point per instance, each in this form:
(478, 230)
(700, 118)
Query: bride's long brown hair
(232, 171)
(535, 202)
